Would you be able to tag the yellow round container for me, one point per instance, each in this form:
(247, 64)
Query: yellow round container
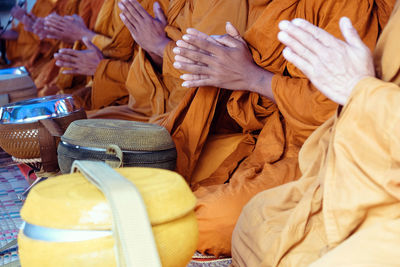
(68, 220)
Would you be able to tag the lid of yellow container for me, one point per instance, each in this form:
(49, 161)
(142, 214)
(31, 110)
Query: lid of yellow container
(72, 202)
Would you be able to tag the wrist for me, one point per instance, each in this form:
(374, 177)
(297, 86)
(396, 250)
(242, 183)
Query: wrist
(261, 82)
(159, 51)
(88, 34)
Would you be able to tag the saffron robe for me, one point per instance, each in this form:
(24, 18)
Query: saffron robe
(35, 54)
(263, 137)
(345, 209)
(153, 95)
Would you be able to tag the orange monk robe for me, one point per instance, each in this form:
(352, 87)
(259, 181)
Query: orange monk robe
(153, 94)
(88, 11)
(107, 86)
(345, 209)
(232, 145)
(37, 55)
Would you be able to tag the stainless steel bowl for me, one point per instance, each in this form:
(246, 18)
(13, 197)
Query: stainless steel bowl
(32, 110)
(14, 71)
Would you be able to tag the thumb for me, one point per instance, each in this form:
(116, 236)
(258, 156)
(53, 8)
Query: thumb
(228, 40)
(159, 13)
(232, 31)
(350, 34)
(89, 44)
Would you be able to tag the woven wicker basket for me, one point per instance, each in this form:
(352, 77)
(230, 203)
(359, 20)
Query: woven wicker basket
(37, 141)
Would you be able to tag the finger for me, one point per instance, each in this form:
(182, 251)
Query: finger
(232, 31)
(298, 61)
(183, 59)
(129, 25)
(89, 44)
(200, 34)
(199, 83)
(350, 34)
(194, 77)
(135, 7)
(228, 41)
(319, 34)
(193, 55)
(297, 47)
(71, 71)
(127, 16)
(69, 52)
(299, 40)
(192, 68)
(65, 64)
(204, 44)
(159, 13)
(65, 58)
(183, 44)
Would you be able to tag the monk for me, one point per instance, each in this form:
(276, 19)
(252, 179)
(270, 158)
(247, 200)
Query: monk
(345, 209)
(31, 48)
(235, 143)
(152, 82)
(97, 75)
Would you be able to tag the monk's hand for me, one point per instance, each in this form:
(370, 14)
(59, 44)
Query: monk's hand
(67, 29)
(227, 63)
(18, 12)
(332, 65)
(83, 62)
(38, 28)
(24, 17)
(147, 31)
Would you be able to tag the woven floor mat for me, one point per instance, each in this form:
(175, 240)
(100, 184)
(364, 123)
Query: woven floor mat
(199, 260)
(12, 182)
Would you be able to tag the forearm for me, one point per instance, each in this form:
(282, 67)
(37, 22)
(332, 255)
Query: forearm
(260, 82)
(10, 35)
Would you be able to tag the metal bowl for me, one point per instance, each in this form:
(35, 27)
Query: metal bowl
(36, 109)
(13, 73)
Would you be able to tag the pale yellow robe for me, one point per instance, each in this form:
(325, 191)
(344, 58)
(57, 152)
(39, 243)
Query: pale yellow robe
(345, 210)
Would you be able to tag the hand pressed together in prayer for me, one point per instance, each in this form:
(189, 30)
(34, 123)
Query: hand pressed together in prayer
(67, 28)
(24, 17)
(220, 61)
(332, 65)
(38, 28)
(84, 62)
(148, 32)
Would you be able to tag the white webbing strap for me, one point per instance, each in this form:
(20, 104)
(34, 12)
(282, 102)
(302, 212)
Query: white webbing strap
(131, 226)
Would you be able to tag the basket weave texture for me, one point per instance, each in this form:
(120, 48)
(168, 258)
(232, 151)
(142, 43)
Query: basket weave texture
(35, 140)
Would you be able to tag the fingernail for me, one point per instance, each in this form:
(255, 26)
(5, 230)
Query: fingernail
(180, 43)
(283, 36)
(58, 63)
(186, 37)
(284, 24)
(185, 84)
(286, 52)
(177, 65)
(182, 76)
(297, 22)
(347, 21)
(121, 6)
(122, 17)
(176, 50)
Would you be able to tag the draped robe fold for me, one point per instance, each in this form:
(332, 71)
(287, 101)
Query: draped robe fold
(153, 95)
(345, 209)
(232, 145)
